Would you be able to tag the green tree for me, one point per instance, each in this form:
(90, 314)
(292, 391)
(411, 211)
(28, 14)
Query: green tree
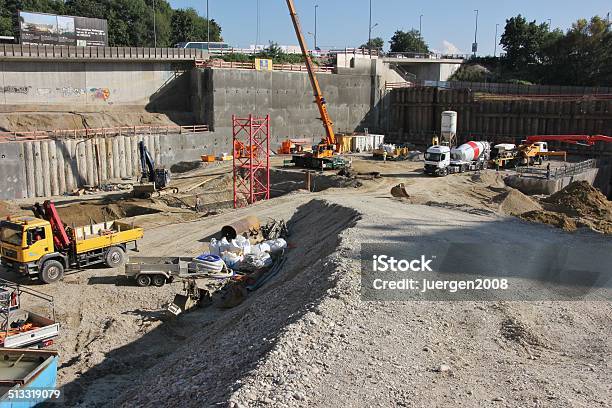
(523, 42)
(410, 41)
(375, 43)
(583, 56)
(187, 25)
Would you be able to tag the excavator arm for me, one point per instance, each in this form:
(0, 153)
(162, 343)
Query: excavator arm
(330, 138)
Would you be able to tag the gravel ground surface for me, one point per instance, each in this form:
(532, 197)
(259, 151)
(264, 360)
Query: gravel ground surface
(307, 339)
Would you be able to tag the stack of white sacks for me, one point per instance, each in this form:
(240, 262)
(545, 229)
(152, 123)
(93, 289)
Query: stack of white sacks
(239, 254)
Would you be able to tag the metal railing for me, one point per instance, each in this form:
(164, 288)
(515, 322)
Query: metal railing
(397, 85)
(251, 65)
(518, 89)
(558, 172)
(21, 51)
(99, 132)
(428, 55)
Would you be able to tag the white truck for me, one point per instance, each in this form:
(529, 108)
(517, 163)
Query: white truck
(21, 328)
(443, 160)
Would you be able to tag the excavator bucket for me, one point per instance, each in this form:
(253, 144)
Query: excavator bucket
(144, 190)
(399, 191)
(180, 304)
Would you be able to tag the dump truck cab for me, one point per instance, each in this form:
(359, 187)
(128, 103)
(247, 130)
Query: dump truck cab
(24, 242)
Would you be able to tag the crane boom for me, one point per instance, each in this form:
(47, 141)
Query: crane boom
(572, 139)
(319, 99)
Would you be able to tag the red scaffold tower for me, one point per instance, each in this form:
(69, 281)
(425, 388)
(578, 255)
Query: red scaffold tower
(251, 160)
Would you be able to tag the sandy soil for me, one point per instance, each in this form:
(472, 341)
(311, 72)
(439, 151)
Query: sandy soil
(307, 339)
(31, 121)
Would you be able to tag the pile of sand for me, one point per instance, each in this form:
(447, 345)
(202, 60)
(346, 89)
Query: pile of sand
(513, 202)
(578, 205)
(488, 178)
(580, 199)
(552, 218)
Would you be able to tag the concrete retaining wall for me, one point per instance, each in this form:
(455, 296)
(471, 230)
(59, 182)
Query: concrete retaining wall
(54, 167)
(529, 185)
(287, 96)
(78, 84)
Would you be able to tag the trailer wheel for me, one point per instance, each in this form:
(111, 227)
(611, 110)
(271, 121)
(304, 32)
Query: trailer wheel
(143, 280)
(114, 257)
(159, 280)
(52, 271)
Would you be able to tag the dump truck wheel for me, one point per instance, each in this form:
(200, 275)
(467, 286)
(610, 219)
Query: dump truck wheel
(143, 280)
(114, 257)
(158, 280)
(52, 271)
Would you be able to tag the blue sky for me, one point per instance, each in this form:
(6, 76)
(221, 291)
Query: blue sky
(447, 25)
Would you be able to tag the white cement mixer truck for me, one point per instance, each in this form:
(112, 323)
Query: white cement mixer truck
(442, 160)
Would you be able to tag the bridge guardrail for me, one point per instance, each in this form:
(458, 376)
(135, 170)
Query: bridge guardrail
(99, 132)
(110, 53)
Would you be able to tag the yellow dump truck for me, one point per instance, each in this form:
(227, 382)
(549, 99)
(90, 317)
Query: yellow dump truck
(44, 248)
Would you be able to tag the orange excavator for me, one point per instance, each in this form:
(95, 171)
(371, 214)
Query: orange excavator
(324, 155)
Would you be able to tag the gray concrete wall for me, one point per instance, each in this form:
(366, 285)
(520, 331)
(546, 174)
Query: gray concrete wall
(531, 185)
(287, 96)
(53, 167)
(96, 83)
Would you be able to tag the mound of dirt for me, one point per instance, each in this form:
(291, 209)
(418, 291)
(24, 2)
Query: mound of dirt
(488, 178)
(513, 202)
(99, 211)
(580, 199)
(552, 218)
(5, 209)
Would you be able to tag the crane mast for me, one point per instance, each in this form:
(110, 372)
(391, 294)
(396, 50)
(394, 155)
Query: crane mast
(330, 138)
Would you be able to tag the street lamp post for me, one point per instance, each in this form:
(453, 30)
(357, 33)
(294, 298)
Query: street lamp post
(207, 28)
(496, 29)
(420, 30)
(370, 31)
(315, 32)
(475, 45)
(154, 27)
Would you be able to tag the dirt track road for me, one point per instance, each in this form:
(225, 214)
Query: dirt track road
(307, 338)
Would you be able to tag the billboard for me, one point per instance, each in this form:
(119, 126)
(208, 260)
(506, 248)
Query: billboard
(50, 29)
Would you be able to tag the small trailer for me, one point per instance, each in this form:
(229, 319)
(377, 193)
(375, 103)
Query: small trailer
(19, 327)
(28, 378)
(156, 270)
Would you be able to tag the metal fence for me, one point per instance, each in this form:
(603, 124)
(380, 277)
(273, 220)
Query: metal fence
(20, 51)
(517, 89)
(558, 172)
(251, 65)
(99, 132)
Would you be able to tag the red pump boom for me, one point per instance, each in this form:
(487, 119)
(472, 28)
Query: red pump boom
(572, 139)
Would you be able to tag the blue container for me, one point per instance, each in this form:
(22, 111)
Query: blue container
(27, 377)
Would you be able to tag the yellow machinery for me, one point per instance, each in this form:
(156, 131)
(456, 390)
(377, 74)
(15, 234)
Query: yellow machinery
(323, 154)
(396, 154)
(43, 248)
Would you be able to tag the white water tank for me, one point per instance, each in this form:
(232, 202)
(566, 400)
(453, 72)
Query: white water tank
(449, 122)
(470, 151)
(449, 128)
